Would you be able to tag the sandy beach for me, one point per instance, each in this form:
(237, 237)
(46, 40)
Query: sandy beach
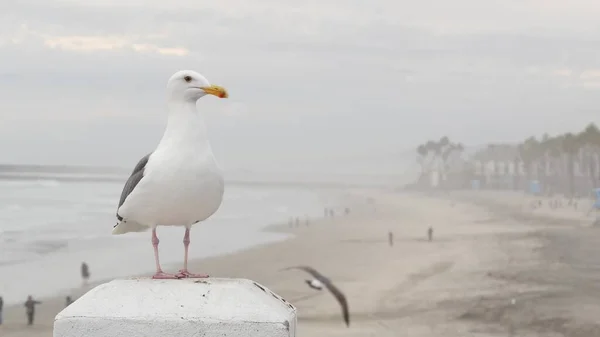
(488, 271)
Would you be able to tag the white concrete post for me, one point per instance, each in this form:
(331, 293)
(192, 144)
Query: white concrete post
(189, 307)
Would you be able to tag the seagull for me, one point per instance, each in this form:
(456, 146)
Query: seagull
(339, 296)
(180, 182)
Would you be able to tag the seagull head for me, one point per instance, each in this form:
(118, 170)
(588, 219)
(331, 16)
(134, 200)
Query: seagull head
(188, 85)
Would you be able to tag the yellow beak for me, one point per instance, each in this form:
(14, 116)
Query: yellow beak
(215, 90)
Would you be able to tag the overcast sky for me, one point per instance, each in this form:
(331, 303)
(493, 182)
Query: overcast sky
(330, 81)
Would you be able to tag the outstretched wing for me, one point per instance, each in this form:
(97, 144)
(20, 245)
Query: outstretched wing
(136, 175)
(339, 296)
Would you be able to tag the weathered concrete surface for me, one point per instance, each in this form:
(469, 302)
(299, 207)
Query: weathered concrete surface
(188, 307)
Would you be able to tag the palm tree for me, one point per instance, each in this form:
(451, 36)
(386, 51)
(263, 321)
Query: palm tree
(446, 156)
(544, 148)
(528, 152)
(422, 152)
(555, 158)
(552, 160)
(444, 142)
(589, 139)
(570, 146)
(437, 155)
(431, 147)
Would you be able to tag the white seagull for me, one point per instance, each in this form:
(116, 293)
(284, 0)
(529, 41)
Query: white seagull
(324, 281)
(180, 182)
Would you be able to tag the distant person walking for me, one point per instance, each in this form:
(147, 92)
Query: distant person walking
(1, 307)
(430, 233)
(68, 301)
(30, 309)
(390, 239)
(85, 273)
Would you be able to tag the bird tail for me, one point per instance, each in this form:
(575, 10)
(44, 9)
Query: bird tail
(123, 227)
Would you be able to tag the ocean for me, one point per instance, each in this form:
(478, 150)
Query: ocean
(51, 223)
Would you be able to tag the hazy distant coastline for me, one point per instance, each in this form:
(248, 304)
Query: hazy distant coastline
(10, 172)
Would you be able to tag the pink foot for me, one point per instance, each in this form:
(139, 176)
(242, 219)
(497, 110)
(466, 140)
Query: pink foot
(165, 276)
(186, 274)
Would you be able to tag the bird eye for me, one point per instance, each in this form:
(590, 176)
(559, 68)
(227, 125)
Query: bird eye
(188, 78)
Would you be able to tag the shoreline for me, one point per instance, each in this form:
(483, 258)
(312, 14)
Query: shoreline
(486, 273)
(280, 228)
(14, 312)
(245, 212)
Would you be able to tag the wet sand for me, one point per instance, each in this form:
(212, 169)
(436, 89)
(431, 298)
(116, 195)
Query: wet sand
(493, 269)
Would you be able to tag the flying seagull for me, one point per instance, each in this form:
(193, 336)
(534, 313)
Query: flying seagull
(180, 182)
(339, 296)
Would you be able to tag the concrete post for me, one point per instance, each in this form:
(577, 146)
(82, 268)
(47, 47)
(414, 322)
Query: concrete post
(189, 307)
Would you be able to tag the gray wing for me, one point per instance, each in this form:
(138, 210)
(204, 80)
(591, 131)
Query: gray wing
(313, 272)
(339, 296)
(136, 175)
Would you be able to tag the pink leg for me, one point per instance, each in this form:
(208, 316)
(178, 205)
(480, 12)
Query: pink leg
(159, 273)
(184, 273)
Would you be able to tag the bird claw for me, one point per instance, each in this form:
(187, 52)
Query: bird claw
(186, 274)
(165, 276)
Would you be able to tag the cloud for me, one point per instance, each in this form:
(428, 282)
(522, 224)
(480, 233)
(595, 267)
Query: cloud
(313, 79)
(106, 43)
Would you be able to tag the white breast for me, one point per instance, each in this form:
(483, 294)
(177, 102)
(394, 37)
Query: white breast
(315, 284)
(179, 188)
